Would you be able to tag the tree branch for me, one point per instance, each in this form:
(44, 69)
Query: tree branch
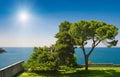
(83, 49)
(97, 42)
(93, 46)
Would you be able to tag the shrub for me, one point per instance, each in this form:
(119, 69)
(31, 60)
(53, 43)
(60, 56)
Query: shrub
(42, 60)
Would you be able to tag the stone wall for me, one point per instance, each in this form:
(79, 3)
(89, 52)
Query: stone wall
(12, 70)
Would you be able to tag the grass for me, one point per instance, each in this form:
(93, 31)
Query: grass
(77, 72)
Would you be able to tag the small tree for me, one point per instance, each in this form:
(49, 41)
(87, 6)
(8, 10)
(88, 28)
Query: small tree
(96, 32)
(42, 60)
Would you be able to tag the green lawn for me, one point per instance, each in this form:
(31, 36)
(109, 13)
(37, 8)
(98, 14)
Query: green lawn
(78, 72)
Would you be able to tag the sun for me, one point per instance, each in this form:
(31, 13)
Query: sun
(23, 16)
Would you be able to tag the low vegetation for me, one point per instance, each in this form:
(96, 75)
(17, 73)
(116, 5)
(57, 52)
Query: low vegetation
(42, 60)
(77, 72)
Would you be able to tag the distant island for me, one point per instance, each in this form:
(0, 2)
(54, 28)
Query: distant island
(2, 50)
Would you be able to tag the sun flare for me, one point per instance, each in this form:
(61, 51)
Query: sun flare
(23, 17)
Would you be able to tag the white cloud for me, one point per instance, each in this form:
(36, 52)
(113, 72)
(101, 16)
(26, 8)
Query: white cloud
(102, 44)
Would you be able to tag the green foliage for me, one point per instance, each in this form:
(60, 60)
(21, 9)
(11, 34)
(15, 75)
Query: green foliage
(64, 26)
(95, 31)
(64, 45)
(64, 68)
(106, 32)
(83, 30)
(42, 60)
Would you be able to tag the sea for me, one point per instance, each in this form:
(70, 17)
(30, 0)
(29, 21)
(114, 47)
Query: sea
(99, 55)
(14, 54)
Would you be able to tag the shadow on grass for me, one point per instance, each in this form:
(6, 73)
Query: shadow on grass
(18, 74)
(78, 73)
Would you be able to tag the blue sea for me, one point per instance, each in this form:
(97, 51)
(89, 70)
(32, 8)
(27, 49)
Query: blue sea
(14, 54)
(99, 55)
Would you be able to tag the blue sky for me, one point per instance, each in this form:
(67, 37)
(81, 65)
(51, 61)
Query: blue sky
(44, 17)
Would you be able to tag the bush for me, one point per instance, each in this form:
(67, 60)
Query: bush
(64, 68)
(42, 60)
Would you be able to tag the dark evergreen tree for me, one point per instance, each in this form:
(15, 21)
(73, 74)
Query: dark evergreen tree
(64, 45)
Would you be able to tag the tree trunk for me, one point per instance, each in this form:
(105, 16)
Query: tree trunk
(86, 63)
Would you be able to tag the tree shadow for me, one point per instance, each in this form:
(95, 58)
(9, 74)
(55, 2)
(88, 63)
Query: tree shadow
(16, 75)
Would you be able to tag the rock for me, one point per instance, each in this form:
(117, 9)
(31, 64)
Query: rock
(2, 50)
